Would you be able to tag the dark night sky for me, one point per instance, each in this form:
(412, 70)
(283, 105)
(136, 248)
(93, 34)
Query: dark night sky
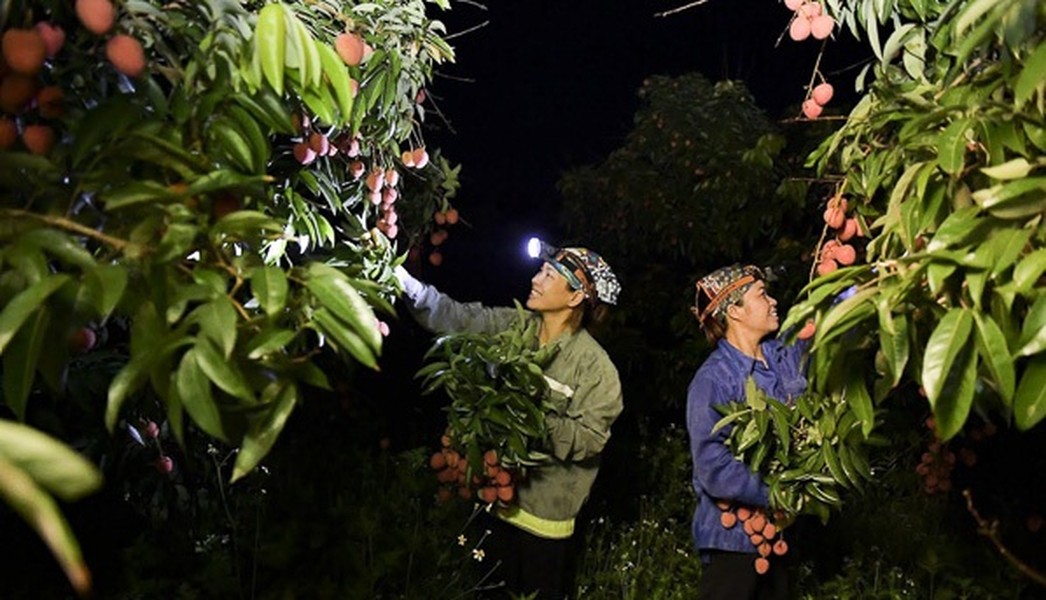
(551, 85)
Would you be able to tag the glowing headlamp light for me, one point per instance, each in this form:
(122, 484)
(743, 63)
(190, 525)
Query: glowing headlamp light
(539, 249)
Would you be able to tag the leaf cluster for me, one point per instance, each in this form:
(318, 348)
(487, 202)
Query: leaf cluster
(943, 160)
(499, 396)
(808, 452)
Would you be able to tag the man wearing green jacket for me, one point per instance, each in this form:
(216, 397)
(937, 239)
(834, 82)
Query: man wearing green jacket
(532, 538)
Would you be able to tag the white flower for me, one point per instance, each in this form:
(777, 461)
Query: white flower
(462, 540)
(478, 554)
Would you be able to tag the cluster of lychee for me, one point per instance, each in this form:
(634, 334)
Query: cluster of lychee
(490, 482)
(837, 252)
(809, 20)
(26, 103)
(820, 95)
(163, 462)
(764, 534)
(442, 219)
(936, 464)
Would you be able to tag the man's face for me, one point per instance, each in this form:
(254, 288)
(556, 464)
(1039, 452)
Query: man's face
(549, 291)
(757, 311)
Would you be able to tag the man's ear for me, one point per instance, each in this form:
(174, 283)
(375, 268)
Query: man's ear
(576, 299)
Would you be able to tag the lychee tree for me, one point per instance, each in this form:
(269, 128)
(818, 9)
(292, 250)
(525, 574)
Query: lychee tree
(940, 165)
(214, 186)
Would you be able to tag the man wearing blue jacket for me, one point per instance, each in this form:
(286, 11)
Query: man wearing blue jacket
(736, 314)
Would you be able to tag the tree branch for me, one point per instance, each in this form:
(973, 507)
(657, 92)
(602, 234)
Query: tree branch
(70, 225)
(990, 530)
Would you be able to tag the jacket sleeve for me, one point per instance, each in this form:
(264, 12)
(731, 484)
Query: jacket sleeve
(440, 313)
(720, 474)
(581, 430)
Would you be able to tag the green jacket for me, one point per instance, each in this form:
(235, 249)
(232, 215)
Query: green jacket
(586, 395)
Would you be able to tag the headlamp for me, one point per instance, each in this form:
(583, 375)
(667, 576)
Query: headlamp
(536, 248)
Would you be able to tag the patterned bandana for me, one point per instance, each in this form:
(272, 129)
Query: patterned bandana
(723, 288)
(587, 271)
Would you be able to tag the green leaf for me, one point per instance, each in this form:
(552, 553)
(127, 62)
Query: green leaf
(221, 372)
(177, 242)
(218, 321)
(950, 336)
(193, 389)
(262, 435)
(860, 402)
(59, 245)
(342, 299)
(991, 343)
(269, 286)
(955, 228)
(1033, 332)
(951, 406)
(893, 340)
(21, 359)
(135, 193)
(133, 375)
(1032, 76)
(1028, 271)
(267, 342)
(344, 338)
(41, 513)
(222, 179)
(340, 82)
(103, 288)
(50, 463)
(1029, 403)
(844, 316)
(951, 147)
(270, 43)
(23, 305)
(246, 223)
(1015, 199)
(1013, 169)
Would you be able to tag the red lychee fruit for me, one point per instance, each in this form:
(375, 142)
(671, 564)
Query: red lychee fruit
(96, 15)
(126, 54)
(24, 50)
(53, 36)
(822, 93)
(38, 139)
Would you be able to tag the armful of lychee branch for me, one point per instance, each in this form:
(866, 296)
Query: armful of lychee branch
(809, 454)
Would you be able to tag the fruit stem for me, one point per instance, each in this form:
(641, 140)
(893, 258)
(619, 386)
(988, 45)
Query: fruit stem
(817, 69)
(680, 9)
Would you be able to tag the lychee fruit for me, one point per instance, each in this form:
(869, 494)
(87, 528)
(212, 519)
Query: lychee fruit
(24, 50)
(15, 92)
(350, 48)
(303, 153)
(799, 30)
(822, 94)
(8, 133)
(821, 26)
(126, 54)
(53, 36)
(38, 139)
(96, 15)
(811, 109)
(49, 102)
(421, 158)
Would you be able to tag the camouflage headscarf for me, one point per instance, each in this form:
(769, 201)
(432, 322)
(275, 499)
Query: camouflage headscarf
(723, 288)
(587, 271)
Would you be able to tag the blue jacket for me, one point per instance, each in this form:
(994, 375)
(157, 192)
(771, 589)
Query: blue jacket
(717, 474)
